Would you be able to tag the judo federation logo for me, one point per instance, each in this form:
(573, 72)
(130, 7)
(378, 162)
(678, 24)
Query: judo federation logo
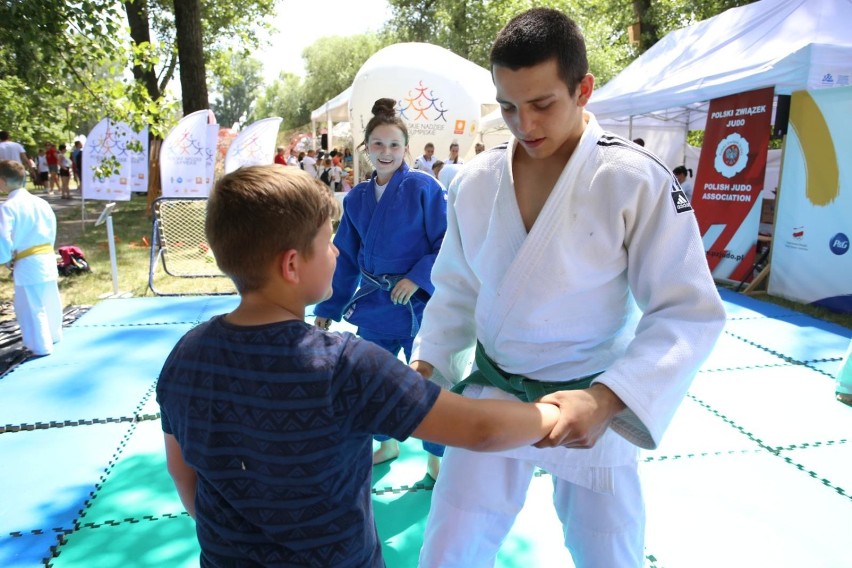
(731, 155)
(419, 103)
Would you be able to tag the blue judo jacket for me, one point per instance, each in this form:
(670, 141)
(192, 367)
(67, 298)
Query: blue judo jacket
(381, 242)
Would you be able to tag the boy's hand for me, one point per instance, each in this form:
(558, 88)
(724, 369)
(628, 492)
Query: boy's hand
(425, 369)
(322, 323)
(584, 416)
(403, 291)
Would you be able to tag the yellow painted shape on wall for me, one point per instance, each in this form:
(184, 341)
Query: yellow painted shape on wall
(822, 172)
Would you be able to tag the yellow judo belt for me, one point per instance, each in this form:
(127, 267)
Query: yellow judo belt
(526, 389)
(38, 249)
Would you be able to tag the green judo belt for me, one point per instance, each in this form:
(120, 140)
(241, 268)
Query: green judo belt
(526, 389)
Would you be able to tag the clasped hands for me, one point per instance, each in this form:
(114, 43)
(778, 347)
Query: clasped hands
(584, 415)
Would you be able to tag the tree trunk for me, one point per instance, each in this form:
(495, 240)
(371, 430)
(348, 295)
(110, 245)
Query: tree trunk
(137, 17)
(193, 75)
(649, 33)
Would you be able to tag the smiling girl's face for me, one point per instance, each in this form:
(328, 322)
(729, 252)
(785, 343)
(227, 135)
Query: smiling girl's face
(386, 148)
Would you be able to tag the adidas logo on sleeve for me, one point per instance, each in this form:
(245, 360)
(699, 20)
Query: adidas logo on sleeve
(681, 203)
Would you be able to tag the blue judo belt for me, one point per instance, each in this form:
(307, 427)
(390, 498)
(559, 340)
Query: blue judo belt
(371, 283)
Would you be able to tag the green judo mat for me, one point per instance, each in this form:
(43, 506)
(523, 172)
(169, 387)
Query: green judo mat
(754, 470)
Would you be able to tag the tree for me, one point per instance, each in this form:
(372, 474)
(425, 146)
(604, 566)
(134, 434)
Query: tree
(285, 97)
(193, 73)
(46, 55)
(332, 63)
(236, 79)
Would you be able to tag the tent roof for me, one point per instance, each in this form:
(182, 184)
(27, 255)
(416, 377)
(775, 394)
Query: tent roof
(337, 109)
(789, 44)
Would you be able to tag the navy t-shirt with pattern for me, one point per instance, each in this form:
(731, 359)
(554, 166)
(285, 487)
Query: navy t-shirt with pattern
(277, 420)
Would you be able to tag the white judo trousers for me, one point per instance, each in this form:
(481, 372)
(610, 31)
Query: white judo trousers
(38, 310)
(471, 518)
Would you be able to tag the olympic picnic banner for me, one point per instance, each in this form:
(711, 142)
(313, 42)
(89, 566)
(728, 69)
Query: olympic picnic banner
(187, 156)
(728, 186)
(254, 145)
(106, 152)
(811, 260)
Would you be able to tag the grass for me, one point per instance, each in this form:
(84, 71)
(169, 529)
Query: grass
(132, 226)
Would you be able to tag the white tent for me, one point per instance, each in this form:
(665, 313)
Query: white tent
(789, 44)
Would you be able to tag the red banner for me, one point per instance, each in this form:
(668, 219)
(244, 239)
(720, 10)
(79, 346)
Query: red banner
(728, 186)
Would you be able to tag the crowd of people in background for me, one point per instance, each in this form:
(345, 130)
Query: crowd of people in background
(51, 169)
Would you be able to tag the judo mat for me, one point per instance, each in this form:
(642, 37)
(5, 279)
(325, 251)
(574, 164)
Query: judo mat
(754, 470)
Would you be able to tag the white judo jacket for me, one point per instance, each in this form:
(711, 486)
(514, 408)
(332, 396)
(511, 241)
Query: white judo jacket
(26, 221)
(612, 277)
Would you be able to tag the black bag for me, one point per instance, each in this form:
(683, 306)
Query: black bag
(325, 177)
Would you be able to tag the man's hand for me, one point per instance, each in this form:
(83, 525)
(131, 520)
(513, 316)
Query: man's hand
(403, 291)
(584, 416)
(425, 369)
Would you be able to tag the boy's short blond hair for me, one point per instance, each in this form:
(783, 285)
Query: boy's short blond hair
(13, 172)
(257, 212)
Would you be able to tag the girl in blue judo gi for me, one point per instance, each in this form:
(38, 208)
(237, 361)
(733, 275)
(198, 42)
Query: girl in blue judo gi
(390, 233)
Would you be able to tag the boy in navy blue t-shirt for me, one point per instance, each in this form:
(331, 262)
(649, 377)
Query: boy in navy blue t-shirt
(268, 421)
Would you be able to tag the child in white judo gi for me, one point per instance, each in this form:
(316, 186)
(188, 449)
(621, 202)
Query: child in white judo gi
(27, 236)
(392, 228)
(574, 267)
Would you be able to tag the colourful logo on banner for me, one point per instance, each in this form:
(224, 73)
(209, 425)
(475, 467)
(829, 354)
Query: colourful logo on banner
(110, 143)
(416, 106)
(185, 145)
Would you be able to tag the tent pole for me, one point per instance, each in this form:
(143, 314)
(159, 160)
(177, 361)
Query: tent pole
(630, 128)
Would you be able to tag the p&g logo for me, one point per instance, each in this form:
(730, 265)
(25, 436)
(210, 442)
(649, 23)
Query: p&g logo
(839, 244)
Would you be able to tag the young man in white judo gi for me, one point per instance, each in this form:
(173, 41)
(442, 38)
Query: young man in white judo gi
(573, 264)
(27, 235)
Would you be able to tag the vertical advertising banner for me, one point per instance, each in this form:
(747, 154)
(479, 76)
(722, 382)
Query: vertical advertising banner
(811, 260)
(255, 145)
(731, 169)
(107, 160)
(139, 160)
(187, 157)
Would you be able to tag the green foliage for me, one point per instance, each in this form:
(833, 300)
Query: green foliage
(236, 80)
(285, 97)
(468, 27)
(332, 63)
(64, 63)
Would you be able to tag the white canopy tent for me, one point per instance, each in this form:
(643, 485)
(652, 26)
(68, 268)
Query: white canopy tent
(333, 111)
(789, 44)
